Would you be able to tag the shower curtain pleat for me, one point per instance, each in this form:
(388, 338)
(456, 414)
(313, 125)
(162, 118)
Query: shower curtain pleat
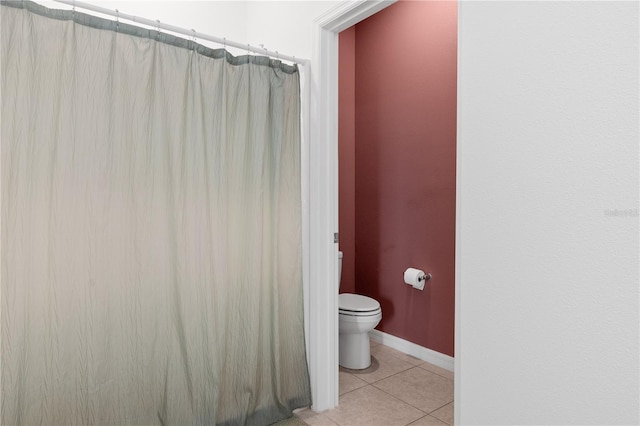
(151, 229)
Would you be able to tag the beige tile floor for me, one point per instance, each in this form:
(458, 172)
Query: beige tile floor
(397, 390)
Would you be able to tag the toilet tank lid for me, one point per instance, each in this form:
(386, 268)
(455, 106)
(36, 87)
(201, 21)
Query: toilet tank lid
(357, 303)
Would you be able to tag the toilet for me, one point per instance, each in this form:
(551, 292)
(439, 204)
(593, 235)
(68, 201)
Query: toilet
(358, 315)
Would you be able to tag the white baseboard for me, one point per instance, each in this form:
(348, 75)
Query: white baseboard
(420, 352)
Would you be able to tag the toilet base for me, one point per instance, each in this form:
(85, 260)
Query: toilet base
(355, 351)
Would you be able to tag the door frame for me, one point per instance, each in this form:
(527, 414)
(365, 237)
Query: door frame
(322, 253)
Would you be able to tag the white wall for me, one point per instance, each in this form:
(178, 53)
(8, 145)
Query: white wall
(285, 26)
(547, 277)
(217, 18)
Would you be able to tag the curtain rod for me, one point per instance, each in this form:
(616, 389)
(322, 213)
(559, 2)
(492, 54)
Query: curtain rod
(191, 33)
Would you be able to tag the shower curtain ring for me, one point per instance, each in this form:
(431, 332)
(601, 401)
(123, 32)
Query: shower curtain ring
(158, 29)
(117, 19)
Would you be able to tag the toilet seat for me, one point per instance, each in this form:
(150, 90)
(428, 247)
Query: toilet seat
(357, 305)
(357, 316)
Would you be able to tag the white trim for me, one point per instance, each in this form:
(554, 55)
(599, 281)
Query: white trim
(305, 136)
(349, 13)
(436, 358)
(457, 351)
(323, 197)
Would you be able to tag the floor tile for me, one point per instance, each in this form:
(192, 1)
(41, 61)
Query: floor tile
(383, 364)
(348, 382)
(428, 420)
(374, 343)
(370, 406)
(438, 370)
(420, 388)
(401, 355)
(445, 414)
(294, 420)
(312, 418)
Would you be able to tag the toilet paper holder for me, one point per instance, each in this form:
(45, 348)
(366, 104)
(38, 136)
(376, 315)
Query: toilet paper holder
(416, 277)
(425, 277)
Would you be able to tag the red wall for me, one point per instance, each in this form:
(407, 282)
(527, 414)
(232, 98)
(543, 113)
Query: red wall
(347, 156)
(405, 146)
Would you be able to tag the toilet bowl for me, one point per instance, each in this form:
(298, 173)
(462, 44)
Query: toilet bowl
(358, 315)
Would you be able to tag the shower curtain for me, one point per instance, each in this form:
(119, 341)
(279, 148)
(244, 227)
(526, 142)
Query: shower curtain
(151, 228)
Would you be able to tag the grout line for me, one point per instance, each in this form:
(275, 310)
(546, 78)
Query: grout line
(403, 356)
(355, 389)
(385, 377)
(392, 352)
(404, 402)
(395, 374)
(425, 362)
(411, 405)
(440, 408)
(416, 420)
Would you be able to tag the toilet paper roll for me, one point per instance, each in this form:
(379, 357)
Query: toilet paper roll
(414, 277)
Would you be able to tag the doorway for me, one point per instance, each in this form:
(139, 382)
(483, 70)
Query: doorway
(397, 167)
(324, 195)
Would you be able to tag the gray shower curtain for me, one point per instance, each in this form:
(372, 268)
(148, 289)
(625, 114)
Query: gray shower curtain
(151, 228)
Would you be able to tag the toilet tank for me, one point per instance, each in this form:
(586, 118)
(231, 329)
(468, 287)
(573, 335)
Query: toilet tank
(339, 269)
